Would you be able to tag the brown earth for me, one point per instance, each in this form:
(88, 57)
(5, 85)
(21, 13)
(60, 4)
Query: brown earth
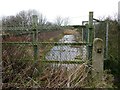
(44, 36)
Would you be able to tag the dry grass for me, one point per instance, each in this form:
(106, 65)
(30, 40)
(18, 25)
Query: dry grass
(31, 74)
(24, 74)
(70, 32)
(51, 77)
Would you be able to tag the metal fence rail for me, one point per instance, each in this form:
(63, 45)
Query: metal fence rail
(30, 59)
(45, 43)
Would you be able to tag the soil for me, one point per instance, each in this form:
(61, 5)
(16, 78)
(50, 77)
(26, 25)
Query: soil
(44, 36)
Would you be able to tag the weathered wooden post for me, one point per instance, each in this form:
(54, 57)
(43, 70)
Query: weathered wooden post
(35, 36)
(97, 59)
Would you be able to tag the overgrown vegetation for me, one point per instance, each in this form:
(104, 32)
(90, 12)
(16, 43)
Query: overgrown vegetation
(113, 61)
(19, 69)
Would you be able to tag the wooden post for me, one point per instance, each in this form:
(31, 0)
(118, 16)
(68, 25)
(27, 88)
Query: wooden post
(35, 36)
(97, 59)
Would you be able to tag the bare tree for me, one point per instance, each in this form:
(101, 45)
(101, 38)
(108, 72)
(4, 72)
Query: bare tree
(62, 21)
(66, 21)
(42, 19)
(22, 19)
(58, 21)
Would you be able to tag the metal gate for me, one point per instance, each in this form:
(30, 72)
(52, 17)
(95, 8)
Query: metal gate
(30, 62)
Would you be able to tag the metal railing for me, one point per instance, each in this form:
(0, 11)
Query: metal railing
(18, 55)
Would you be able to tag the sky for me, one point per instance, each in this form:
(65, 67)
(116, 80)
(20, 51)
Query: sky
(76, 10)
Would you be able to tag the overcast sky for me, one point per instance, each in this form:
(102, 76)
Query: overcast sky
(76, 10)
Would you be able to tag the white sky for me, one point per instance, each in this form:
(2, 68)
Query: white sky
(76, 10)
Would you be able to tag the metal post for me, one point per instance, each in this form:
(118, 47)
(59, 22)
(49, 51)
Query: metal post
(90, 41)
(119, 12)
(118, 30)
(1, 55)
(94, 31)
(82, 33)
(107, 27)
(91, 27)
(35, 36)
(87, 33)
(90, 37)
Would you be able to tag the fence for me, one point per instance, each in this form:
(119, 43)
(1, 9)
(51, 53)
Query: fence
(28, 62)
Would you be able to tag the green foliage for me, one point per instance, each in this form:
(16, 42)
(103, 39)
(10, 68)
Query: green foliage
(113, 61)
